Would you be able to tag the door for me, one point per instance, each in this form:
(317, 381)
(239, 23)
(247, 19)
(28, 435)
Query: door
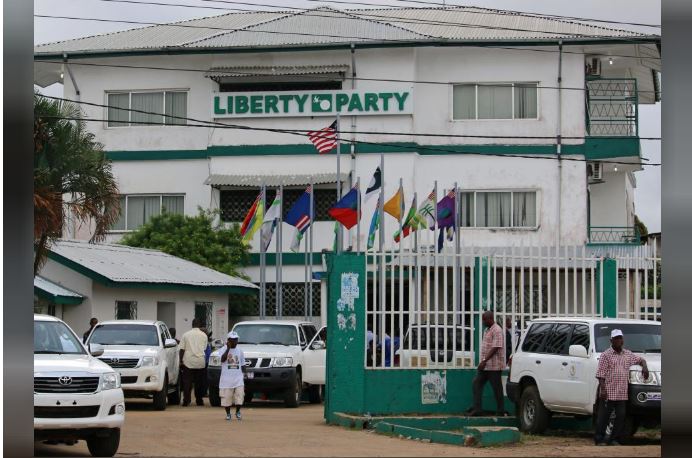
(553, 375)
(315, 359)
(576, 378)
(532, 360)
(165, 311)
(172, 359)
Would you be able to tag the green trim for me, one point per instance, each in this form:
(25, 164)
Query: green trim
(288, 259)
(95, 276)
(58, 299)
(596, 148)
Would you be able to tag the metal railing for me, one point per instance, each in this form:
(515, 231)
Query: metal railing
(612, 107)
(614, 234)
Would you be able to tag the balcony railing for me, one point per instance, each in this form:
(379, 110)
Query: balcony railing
(612, 107)
(614, 235)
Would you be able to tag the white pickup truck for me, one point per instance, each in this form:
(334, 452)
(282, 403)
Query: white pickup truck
(145, 355)
(282, 357)
(554, 370)
(76, 396)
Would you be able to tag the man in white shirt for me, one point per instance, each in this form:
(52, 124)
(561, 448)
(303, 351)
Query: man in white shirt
(192, 346)
(231, 383)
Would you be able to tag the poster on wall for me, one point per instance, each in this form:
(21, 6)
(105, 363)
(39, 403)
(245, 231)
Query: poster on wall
(433, 387)
(220, 326)
(346, 318)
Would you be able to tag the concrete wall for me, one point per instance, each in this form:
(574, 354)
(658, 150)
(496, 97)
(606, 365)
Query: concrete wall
(609, 201)
(76, 316)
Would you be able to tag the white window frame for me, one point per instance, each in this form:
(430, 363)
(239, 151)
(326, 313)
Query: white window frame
(507, 228)
(129, 107)
(124, 210)
(494, 83)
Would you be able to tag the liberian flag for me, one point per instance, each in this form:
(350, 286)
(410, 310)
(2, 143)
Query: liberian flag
(324, 139)
(253, 219)
(299, 216)
(346, 210)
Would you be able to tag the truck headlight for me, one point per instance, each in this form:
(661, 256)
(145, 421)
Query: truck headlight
(149, 361)
(215, 360)
(283, 362)
(110, 381)
(637, 378)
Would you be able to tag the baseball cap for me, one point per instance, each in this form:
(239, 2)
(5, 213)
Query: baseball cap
(615, 333)
(232, 335)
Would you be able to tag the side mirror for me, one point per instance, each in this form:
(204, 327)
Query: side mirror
(318, 345)
(170, 343)
(95, 350)
(577, 350)
(217, 343)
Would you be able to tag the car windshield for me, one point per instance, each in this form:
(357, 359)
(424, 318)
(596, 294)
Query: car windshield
(275, 334)
(54, 337)
(125, 334)
(639, 338)
(437, 338)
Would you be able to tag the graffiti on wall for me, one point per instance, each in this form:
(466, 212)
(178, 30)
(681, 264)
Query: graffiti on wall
(433, 387)
(346, 317)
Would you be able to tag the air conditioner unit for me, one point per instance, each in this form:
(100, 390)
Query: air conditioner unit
(593, 67)
(595, 171)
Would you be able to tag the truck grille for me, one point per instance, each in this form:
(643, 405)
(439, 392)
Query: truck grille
(251, 362)
(121, 363)
(66, 412)
(65, 384)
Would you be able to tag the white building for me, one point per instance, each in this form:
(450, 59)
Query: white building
(475, 87)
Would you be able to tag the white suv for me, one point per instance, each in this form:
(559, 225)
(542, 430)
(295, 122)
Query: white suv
(554, 370)
(76, 396)
(145, 355)
(282, 357)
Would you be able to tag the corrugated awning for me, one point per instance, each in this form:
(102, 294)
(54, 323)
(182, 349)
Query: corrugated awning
(275, 70)
(272, 180)
(55, 293)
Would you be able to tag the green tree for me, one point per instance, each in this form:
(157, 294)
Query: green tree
(195, 238)
(72, 177)
(641, 227)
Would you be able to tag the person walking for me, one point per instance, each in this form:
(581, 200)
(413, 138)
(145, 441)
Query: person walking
(491, 366)
(613, 376)
(231, 383)
(92, 323)
(192, 347)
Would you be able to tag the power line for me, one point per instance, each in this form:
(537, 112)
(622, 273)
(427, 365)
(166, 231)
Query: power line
(315, 76)
(301, 133)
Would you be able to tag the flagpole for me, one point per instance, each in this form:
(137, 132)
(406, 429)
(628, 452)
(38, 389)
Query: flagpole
(381, 204)
(312, 223)
(263, 260)
(358, 216)
(402, 205)
(279, 254)
(338, 177)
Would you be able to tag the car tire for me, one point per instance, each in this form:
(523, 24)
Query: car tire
(104, 446)
(174, 397)
(214, 399)
(294, 393)
(533, 416)
(315, 393)
(161, 397)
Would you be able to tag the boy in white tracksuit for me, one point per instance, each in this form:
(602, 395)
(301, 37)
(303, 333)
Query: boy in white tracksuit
(231, 384)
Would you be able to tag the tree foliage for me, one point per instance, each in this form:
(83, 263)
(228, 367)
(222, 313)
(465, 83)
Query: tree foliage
(641, 227)
(73, 179)
(195, 238)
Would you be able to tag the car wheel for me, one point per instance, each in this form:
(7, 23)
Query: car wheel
(214, 399)
(294, 393)
(315, 393)
(160, 397)
(104, 446)
(533, 416)
(174, 397)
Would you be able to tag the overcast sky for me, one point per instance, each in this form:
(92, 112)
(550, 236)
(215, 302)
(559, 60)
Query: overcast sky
(648, 192)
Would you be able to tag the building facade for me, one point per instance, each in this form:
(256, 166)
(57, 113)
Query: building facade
(536, 123)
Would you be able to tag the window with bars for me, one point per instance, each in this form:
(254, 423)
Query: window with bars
(499, 209)
(146, 108)
(237, 202)
(125, 310)
(495, 101)
(138, 210)
(511, 299)
(293, 300)
(204, 313)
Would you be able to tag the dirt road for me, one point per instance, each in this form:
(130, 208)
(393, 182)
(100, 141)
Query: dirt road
(272, 430)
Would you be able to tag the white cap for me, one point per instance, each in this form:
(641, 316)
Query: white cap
(232, 335)
(615, 333)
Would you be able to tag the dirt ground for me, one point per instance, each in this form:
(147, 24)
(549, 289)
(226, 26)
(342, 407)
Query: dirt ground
(269, 429)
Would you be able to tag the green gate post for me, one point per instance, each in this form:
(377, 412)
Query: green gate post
(609, 273)
(345, 379)
(481, 301)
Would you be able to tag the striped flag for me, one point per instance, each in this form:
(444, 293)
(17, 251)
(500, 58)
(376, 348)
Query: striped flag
(324, 139)
(253, 219)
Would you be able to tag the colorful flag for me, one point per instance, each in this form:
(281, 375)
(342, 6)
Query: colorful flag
(375, 184)
(395, 205)
(324, 139)
(413, 222)
(374, 224)
(445, 219)
(270, 220)
(253, 219)
(346, 210)
(427, 209)
(299, 216)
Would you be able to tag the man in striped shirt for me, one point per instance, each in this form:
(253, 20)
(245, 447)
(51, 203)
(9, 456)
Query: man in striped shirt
(491, 366)
(613, 377)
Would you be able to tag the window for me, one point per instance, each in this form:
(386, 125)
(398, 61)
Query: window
(495, 101)
(203, 313)
(533, 342)
(125, 334)
(162, 333)
(236, 203)
(138, 210)
(580, 336)
(557, 339)
(161, 107)
(125, 310)
(309, 331)
(639, 338)
(498, 209)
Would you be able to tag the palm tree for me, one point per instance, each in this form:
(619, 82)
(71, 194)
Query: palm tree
(72, 177)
